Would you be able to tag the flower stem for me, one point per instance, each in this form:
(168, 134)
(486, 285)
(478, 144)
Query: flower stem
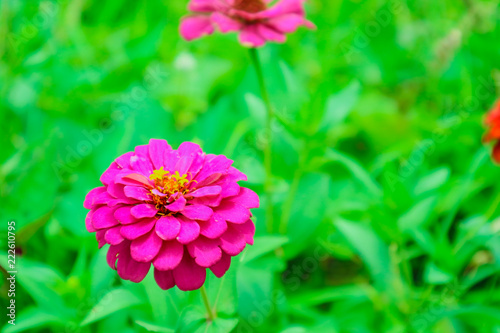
(210, 313)
(268, 144)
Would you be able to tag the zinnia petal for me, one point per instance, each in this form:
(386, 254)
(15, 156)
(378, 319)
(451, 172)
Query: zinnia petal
(233, 212)
(136, 230)
(206, 252)
(197, 212)
(188, 275)
(164, 279)
(221, 267)
(214, 227)
(189, 231)
(169, 256)
(103, 218)
(196, 26)
(143, 210)
(232, 241)
(145, 248)
(168, 227)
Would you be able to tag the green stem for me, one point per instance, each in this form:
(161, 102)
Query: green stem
(288, 205)
(210, 313)
(268, 149)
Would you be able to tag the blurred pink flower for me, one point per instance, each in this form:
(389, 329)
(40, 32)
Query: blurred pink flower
(180, 210)
(493, 134)
(258, 21)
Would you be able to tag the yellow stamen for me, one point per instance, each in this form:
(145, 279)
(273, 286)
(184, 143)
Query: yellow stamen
(180, 179)
(166, 184)
(158, 174)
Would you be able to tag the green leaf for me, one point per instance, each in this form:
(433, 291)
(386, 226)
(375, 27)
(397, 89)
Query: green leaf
(191, 320)
(153, 327)
(432, 181)
(256, 108)
(218, 325)
(328, 295)
(417, 216)
(435, 275)
(255, 286)
(358, 172)
(115, 300)
(306, 211)
(369, 246)
(263, 245)
(32, 318)
(339, 105)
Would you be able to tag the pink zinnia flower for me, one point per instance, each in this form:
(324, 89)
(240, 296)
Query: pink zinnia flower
(180, 210)
(257, 20)
(493, 122)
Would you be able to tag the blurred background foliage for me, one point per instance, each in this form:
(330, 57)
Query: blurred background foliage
(386, 202)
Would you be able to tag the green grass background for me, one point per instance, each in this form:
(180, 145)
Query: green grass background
(386, 201)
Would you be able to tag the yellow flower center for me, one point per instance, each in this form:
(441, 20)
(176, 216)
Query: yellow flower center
(167, 184)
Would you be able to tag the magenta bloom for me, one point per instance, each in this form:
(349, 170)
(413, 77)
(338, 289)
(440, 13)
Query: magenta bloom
(257, 20)
(180, 210)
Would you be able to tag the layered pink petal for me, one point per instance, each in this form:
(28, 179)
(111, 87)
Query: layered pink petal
(169, 256)
(251, 37)
(134, 179)
(221, 267)
(269, 33)
(146, 247)
(164, 279)
(214, 227)
(94, 193)
(136, 230)
(247, 229)
(109, 175)
(168, 227)
(103, 218)
(206, 252)
(130, 269)
(143, 210)
(157, 149)
(113, 236)
(178, 205)
(226, 23)
(286, 23)
(246, 198)
(141, 164)
(124, 160)
(188, 275)
(204, 5)
(138, 193)
(232, 241)
(215, 167)
(88, 222)
(124, 216)
(233, 212)
(206, 191)
(197, 212)
(190, 230)
(196, 26)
